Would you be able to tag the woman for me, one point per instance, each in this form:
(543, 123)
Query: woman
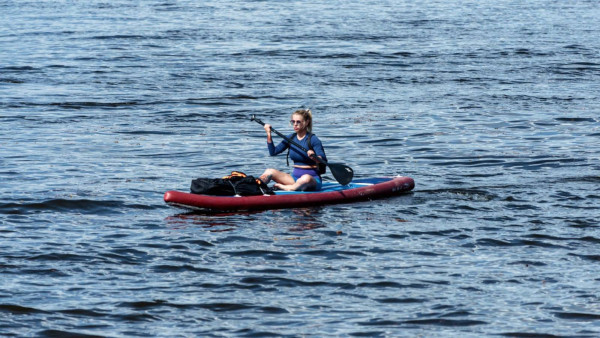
(306, 173)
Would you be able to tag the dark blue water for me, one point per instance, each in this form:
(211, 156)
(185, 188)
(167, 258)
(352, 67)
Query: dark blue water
(492, 107)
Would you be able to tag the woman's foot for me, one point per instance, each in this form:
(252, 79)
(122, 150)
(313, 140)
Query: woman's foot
(284, 187)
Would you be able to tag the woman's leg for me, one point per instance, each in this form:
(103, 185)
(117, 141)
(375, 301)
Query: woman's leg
(305, 182)
(277, 176)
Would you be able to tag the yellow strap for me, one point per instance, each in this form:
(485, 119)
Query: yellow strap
(234, 174)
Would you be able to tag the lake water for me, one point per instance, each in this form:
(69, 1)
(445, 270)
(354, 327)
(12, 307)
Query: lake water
(492, 107)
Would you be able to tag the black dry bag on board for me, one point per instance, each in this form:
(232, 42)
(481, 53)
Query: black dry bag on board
(235, 184)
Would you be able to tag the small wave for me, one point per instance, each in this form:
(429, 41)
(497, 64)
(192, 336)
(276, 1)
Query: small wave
(404, 54)
(198, 242)
(400, 300)
(61, 333)
(521, 206)
(538, 99)
(269, 270)
(65, 257)
(445, 322)
(50, 272)
(577, 47)
(393, 285)
(583, 223)
(582, 179)
(167, 268)
(384, 142)
(225, 307)
(576, 68)
(476, 195)
(528, 335)
(11, 80)
(122, 257)
(594, 258)
(141, 305)
(443, 233)
(19, 69)
(543, 163)
(91, 104)
(271, 255)
(146, 132)
(167, 7)
(517, 242)
(576, 119)
(231, 100)
(137, 317)
(530, 52)
(433, 321)
(66, 205)
(119, 36)
(464, 161)
(18, 309)
(57, 66)
(83, 313)
(76, 104)
(528, 263)
(216, 307)
(588, 239)
(332, 254)
(578, 316)
(289, 282)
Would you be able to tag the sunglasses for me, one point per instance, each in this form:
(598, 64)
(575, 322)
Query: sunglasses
(293, 122)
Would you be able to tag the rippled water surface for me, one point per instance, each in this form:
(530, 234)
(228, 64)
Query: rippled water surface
(492, 107)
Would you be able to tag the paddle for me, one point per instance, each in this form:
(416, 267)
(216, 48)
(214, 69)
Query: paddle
(341, 172)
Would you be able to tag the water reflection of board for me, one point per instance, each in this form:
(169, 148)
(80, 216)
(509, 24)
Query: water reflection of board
(331, 193)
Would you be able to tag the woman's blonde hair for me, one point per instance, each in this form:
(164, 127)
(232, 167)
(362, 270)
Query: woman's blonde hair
(307, 116)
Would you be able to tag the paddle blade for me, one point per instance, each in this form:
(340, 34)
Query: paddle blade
(341, 172)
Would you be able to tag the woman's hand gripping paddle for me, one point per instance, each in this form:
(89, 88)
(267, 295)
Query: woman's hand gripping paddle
(341, 172)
